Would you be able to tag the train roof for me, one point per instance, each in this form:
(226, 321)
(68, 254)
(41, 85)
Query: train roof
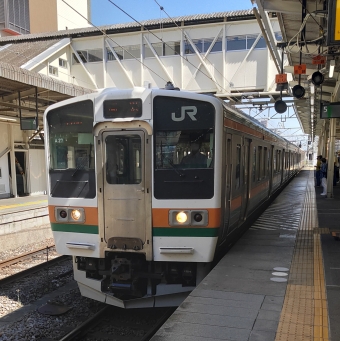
(241, 117)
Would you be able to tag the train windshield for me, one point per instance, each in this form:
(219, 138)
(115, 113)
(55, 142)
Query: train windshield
(71, 159)
(184, 138)
(183, 149)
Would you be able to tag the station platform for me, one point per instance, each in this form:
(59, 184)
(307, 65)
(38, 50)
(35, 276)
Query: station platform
(279, 282)
(23, 221)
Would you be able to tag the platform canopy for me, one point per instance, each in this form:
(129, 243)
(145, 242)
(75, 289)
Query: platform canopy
(311, 47)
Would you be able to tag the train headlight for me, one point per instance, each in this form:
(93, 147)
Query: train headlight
(75, 215)
(188, 218)
(181, 217)
(70, 214)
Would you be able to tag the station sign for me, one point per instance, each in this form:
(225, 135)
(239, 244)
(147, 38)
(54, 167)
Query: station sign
(319, 60)
(330, 110)
(300, 69)
(29, 123)
(281, 78)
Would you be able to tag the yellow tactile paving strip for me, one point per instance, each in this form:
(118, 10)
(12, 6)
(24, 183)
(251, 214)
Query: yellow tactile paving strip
(3, 207)
(304, 316)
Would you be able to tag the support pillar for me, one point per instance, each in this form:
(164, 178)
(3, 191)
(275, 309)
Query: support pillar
(12, 158)
(331, 151)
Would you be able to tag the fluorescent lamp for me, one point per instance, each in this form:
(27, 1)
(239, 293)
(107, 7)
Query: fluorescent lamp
(312, 88)
(5, 118)
(312, 101)
(331, 68)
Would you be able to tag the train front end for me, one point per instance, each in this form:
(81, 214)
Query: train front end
(133, 195)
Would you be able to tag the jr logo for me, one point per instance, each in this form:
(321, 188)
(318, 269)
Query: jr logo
(190, 110)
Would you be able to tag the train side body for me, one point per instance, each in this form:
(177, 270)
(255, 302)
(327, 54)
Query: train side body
(143, 214)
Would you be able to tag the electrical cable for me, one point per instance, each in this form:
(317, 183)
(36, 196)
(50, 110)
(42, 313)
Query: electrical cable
(162, 9)
(176, 53)
(115, 42)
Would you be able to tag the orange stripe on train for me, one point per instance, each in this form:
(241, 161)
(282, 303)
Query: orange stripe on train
(258, 189)
(244, 129)
(160, 216)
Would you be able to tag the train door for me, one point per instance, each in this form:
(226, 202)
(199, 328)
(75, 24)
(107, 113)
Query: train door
(228, 174)
(246, 179)
(124, 197)
(272, 169)
(283, 165)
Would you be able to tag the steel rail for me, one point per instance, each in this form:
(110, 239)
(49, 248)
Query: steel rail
(33, 270)
(79, 331)
(22, 257)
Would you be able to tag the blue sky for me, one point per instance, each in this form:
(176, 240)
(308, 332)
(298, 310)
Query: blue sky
(105, 13)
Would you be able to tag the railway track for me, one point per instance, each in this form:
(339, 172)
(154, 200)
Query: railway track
(24, 256)
(31, 270)
(116, 324)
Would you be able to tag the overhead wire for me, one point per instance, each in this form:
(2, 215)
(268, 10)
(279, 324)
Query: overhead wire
(185, 35)
(176, 53)
(103, 32)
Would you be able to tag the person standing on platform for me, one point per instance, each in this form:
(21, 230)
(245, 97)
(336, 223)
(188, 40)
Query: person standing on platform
(336, 174)
(318, 170)
(324, 176)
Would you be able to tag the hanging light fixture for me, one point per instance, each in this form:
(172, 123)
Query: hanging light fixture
(317, 78)
(298, 91)
(280, 106)
(331, 68)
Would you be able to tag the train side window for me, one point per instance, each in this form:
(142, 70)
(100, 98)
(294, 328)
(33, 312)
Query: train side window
(279, 161)
(238, 166)
(259, 164)
(265, 158)
(274, 160)
(268, 163)
(254, 164)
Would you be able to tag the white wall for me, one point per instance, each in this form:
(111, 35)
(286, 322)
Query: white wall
(37, 172)
(4, 144)
(68, 18)
(225, 67)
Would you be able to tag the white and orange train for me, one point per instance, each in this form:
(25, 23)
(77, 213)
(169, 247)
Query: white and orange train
(146, 186)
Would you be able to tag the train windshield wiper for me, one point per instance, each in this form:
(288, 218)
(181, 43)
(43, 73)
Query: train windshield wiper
(76, 171)
(180, 173)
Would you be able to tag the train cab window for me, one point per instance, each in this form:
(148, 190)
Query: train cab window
(238, 166)
(184, 149)
(71, 151)
(184, 138)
